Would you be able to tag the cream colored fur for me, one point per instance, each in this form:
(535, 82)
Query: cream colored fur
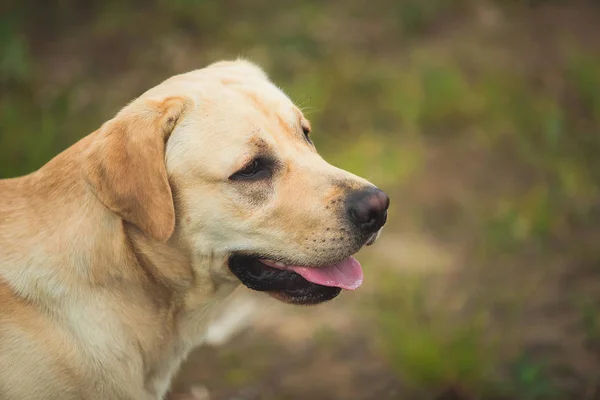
(113, 254)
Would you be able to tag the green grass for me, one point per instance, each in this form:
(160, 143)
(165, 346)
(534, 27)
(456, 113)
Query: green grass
(428, 347)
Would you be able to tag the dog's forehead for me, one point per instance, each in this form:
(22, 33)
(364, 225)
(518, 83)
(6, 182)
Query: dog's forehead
(256, 95)
(239, 112)
(236, 87)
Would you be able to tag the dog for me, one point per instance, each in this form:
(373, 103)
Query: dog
(117, 254)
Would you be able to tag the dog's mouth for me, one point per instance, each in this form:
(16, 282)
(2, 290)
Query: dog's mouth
(298, 284)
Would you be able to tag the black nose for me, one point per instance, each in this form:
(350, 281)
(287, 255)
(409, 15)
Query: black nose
(367, 209)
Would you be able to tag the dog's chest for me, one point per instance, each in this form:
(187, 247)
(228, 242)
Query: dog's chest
(123, 347)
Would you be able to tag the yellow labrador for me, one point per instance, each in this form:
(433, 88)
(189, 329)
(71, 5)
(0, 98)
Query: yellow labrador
(116, 254)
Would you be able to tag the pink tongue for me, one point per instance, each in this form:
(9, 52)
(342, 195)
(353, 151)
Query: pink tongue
(346, 274)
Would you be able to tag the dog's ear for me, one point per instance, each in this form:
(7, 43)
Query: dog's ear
(125, 164)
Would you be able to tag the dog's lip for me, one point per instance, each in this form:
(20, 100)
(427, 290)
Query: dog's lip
(346, 274)
(283, 284)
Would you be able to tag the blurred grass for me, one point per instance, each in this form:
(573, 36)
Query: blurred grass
(460, 106)
(426, 347)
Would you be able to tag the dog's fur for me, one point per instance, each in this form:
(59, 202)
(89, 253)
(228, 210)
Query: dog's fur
(113, 255)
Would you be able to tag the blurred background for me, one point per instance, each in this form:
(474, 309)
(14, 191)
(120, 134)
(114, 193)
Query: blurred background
(481, 119)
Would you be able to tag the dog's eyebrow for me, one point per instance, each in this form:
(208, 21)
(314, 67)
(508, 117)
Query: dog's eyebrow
(259, 143)
(261, 149)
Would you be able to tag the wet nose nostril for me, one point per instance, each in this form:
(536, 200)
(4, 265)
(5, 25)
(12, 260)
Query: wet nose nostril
(361, 213)
(368, 209)
(354, 215)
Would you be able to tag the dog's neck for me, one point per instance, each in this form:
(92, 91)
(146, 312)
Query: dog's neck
(186, 300)
(77, 255)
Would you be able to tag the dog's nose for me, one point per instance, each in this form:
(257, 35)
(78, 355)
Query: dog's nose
(367, 209)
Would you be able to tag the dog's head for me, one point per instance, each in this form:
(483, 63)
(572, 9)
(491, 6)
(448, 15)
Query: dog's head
(220, 161)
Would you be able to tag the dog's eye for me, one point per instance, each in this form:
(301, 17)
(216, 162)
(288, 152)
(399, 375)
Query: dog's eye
(306, 131)
(255, 170)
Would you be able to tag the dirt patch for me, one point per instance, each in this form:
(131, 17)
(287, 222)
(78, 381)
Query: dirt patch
(258, 366)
